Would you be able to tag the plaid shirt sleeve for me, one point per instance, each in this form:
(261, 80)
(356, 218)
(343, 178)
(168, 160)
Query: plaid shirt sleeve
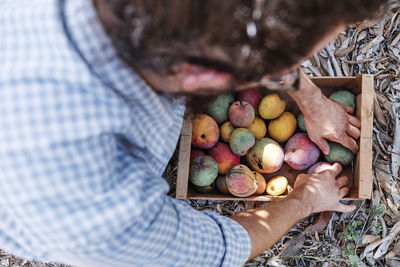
(83, 144)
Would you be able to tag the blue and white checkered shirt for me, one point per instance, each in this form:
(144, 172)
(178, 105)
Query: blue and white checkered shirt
(83, 144)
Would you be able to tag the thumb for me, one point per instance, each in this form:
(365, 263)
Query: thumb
(345, 208)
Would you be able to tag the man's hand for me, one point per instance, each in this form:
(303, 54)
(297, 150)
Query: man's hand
(329, 120)
(326, 119)
(322, 191)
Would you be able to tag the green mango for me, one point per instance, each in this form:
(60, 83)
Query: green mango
(203, 170)
(219, 106)
(241, 141)
(344, 97)
(204, 189)
(339, 153)
(300, 123)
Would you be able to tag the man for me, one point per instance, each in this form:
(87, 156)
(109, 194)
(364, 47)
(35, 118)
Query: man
(84, 139)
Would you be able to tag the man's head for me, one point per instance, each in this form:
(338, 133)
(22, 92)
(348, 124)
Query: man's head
(187, 45)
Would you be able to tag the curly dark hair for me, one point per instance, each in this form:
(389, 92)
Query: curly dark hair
(246, 38)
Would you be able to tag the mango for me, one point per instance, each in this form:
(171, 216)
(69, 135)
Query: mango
(221, 185)
(282, 128)
(204, 189)
(319, 167)
(219, 106)
(258, 128)
(195, 153)
(252, 96)
(241, 141)
(241, 114)
(262, 185)
(224, 156)
(300, 123)
(271, 107)
(301, 152)
(240, 181)
(226, 131)
(277, 185)
(205, 131)
(266, 156)
(339, 153)
(344, 97)
(203, 170)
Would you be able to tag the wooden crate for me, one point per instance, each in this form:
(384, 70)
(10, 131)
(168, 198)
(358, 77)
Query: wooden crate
(359, 173)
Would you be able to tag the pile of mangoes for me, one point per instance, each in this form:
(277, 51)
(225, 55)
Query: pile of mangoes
(232, 147)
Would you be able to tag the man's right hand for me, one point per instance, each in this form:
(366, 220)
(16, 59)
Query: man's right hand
(322, 191)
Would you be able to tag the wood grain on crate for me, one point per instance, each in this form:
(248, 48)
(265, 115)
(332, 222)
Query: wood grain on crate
(364, 158)
(360, 175)
(184, 156)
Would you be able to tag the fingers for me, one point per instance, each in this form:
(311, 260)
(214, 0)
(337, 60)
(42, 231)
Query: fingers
(343, 191)
(342, 181)
(354, 121)
(345, 208)
(353, 132)
(348, 109)
(322, 144)
(336, 168)
(349, 143)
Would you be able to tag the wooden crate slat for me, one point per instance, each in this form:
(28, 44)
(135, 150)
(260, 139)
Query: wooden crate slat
(184, 156)
(365, 155)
